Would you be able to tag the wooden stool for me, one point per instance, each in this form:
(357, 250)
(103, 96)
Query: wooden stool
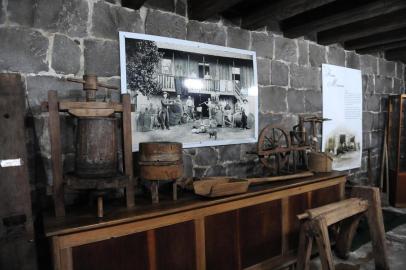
(315, 222)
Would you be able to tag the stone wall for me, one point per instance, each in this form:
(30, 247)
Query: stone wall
(50, 40)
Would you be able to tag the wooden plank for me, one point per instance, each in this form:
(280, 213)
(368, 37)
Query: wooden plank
(376, 40)
(262, 180)
(66, 259)
(151, 243)
(56, 255)
(363, 28)
(200, 244)
(202, 10)
(128, 154)
(363, 12)
(383, 47)
(305, 247)
(70, 105)
(285, 225)
(221, 205)
(91, 112)
(320, 228)
(348, 228)
(56, 153)
(279, 10)
(375, 222)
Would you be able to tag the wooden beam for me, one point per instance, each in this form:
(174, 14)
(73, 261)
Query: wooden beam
(201, 10)
(380, 24)
(376, 40)
(384, 47)
(396, 55)
(363, 12)
(279, 10)
(133, 4)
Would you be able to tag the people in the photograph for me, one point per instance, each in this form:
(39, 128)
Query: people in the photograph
(190, 107)
(178, 102)
(164, 115)
(244, 114)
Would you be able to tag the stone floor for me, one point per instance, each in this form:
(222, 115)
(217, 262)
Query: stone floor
(362, 259)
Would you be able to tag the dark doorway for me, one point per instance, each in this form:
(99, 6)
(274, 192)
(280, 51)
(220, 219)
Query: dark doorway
(200, 105)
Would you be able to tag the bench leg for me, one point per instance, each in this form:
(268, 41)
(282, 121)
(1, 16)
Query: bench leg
(375, 223)
(305, 247)
(346, 235)
(320, 230)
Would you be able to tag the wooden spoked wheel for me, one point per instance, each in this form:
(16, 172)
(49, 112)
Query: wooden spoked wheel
(274, 147)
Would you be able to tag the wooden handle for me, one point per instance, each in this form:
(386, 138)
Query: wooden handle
(262, 180)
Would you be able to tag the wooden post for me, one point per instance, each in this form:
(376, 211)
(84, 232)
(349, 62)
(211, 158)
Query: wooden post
(320, 229)
(305, 246)
(151, 249)
(100, 206)
(56, 153)
(154, 188)
(200, 244)
(375, 222)
(347, 231)
(127, 151)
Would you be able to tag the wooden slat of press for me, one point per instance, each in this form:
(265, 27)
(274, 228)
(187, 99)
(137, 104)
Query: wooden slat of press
(69, 105)
(56, 153)
(128, 154)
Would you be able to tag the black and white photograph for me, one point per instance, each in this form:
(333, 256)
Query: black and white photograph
(190, 92)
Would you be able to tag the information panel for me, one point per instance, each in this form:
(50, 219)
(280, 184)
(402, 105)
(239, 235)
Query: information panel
(342, 103)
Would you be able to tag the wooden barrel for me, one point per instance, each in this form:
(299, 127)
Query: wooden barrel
(96, 147)
(160, 160)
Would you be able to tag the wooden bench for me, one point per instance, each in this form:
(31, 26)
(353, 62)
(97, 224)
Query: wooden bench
(315, 222)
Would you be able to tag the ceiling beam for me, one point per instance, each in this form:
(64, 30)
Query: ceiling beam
(363, 12)
(396, 55)
(279, 10)
(383, 47)
(202, 10)
(363, 28)
(133, 4)
(376, 40)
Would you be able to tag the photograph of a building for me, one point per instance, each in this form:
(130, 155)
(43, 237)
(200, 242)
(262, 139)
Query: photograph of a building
(190, 94)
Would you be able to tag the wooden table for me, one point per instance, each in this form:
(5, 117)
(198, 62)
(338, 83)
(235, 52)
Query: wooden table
(255, 230)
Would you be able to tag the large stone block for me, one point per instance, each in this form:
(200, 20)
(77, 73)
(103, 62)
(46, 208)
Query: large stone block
(23, 50)
(303, 52)
(336, 56)
(102, 57)
(264, 71)
(238, 38)
(368, 84)
(21, 12)
(317, 55)
(368, 119)
(65, 16)
(217, 170)
(386, 68)
(398, 86)
(230, 152)
(167, 5)
(211, 33)
(263, 44)
(383, 85)
(305, 77)
(279, 74)
(108, 20)
(65, 55)
(352, 60)
(400, 70)
(273, 99)
(206, 156)
(372, 103)
(296, 101)
(286, 50)
(313, 101)
(38, 86)
(369, 64)
(241, 169)
(165, 24)
(268, 119)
